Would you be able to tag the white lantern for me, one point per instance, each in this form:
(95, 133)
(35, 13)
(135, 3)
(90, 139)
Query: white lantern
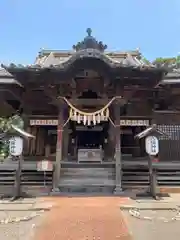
(15, 146)
(152, 145)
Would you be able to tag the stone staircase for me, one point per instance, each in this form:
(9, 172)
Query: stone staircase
(87, 178)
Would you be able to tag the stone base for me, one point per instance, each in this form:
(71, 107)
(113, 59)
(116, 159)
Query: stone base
(147, 194)
(118, 191)
(55, 190)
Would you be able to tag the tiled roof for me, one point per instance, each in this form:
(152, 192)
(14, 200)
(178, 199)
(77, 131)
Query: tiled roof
(4, 73)
(51, 60)
(7, 78)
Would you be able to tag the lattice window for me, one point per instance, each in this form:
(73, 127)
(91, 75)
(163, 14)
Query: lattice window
(172, 132)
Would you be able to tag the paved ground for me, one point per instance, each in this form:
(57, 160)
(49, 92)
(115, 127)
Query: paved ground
(149, 219)
(154, 229)
(19, 231)
(19, 219)
(87, 218)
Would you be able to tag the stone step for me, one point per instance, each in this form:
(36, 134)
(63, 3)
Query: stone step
(88, 169)
(86, 189)
(87, 174)
(88, 165)
(88, 181)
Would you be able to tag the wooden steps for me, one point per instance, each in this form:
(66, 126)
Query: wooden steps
(87, 179)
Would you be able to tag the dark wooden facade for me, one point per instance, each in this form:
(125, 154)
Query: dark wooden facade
(89, 77)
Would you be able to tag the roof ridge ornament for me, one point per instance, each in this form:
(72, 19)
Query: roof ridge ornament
(90, 42)
(89, 32)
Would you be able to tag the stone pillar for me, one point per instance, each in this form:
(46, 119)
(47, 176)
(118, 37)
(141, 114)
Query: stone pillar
(117, 134)
(59, 146)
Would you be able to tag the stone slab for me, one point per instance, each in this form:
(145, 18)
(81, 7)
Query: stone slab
(150, 206)
(25, 206)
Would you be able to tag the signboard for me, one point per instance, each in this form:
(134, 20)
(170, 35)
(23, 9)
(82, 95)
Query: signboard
(134, 122)
(44, 166)
(43, 122)
(15, 146)
(51, 122)
(152, 145)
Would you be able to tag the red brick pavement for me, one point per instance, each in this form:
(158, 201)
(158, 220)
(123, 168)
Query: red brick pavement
(86, 218)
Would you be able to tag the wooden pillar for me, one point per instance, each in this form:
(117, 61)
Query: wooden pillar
(47, 150)
(59, 146)
(26, 128)
(117, 133)
(111, 143)
(65, 142)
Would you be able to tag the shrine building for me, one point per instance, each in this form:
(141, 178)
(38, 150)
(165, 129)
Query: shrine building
(85, 107)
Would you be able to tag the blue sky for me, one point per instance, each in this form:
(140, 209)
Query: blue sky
(28, 25)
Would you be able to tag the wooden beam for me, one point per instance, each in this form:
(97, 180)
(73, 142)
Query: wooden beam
(40, 116)
(15, 91)
(5, 107)
(52, 94)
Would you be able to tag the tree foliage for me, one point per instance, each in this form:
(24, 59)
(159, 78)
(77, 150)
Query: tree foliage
(173, 61)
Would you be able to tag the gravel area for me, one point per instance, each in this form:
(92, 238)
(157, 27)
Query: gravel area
(156, 228)
(20, 219)
(19, 231)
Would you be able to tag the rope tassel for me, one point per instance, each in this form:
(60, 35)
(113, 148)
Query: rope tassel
(98, 118)
(89, 120)
(75, 115)
(84, 119)
(94, 119)
(78, 119)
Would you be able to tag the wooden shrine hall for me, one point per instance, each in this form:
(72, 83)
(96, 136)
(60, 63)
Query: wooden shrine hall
(85, 106)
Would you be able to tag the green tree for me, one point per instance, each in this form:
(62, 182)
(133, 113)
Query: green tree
(145, 60)
(166, 61)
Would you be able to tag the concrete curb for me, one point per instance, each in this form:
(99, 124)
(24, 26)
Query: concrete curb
(16, 202)
(25, 210)
(137, 214)
(150, 207)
